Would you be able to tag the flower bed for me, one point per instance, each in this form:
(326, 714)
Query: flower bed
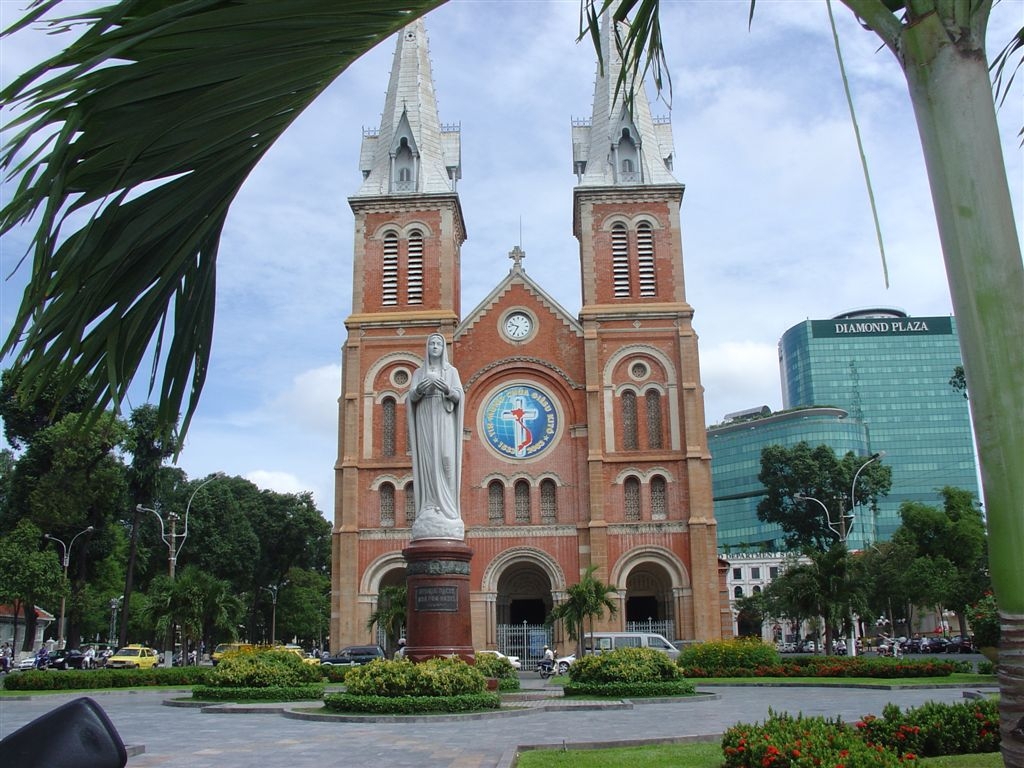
(895, 739)
(834, 666)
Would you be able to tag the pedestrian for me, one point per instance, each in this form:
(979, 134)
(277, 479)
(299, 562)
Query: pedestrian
(400, 653)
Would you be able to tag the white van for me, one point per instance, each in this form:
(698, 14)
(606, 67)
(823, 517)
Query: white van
(599, 642)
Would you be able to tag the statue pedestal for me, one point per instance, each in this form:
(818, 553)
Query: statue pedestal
(438, 621)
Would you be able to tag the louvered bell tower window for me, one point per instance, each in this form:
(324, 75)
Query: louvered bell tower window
(645, 260)
(415, 272)
(620, 261)
(389, 287)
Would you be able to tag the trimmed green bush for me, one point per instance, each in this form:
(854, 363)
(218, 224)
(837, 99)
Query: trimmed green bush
(744, 652)
(410, 705)
(627, 672)
(335, 673)
(500, 669)
(434, 677)
(935, 729)
(74, 680)
(310, 691)
(263, 669)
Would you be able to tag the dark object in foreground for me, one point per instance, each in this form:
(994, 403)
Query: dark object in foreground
(74, 735)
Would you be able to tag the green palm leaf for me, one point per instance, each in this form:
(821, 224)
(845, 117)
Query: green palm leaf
(130, 147)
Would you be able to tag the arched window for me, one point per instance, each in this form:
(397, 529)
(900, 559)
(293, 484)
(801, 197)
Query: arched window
(737, 592)
(632, 499)
(654, 431)
(387, 505)
(548, 501)
(629, 438)
(522, 494)
(405, 165)
(387, 426)
(645, 259)
(627, 166)
(496, 503)
(757, 590)
(659, 509)
(389, 285)
(414, 274)
(410, 505)
(405, 174)
(620, 261)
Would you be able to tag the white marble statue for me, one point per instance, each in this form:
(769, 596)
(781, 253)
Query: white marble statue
(435, 435)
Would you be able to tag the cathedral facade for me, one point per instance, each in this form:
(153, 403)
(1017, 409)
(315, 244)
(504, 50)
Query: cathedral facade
(584, 438)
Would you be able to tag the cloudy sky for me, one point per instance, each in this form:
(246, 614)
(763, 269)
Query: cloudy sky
(776, 219)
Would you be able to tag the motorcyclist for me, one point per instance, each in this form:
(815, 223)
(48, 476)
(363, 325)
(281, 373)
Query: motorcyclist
(549, 655)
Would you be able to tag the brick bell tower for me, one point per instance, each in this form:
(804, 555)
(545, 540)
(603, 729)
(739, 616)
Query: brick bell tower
(408, 233)
(645, 402)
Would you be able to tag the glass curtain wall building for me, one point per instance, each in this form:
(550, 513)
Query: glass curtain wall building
(736, 462)
(892, 373)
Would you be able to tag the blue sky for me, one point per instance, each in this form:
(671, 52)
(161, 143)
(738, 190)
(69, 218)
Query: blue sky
(776, 220)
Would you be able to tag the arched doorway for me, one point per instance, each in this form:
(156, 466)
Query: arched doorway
(523, 603)
(649, 600)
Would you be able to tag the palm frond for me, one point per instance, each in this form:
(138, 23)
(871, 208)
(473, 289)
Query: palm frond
(145, 128)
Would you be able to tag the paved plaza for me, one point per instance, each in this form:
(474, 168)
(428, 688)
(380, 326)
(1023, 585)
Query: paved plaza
(265, 737)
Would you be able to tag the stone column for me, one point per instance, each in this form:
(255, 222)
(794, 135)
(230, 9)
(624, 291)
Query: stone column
(438, 617)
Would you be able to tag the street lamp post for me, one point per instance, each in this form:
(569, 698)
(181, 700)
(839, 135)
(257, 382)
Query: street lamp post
(173, 546)
(66, 560)
(273, 611)
(843, 526)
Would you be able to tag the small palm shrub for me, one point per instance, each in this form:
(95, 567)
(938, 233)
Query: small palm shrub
(743, 653)
(634, 672)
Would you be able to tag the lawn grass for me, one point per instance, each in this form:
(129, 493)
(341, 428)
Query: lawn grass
(693, 755)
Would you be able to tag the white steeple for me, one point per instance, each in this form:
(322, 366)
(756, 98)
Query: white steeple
(616, 148)
(411, 153)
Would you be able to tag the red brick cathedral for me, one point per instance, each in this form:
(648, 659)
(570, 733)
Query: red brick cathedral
(584, 436)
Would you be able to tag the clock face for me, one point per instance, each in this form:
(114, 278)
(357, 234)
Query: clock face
(518, 325)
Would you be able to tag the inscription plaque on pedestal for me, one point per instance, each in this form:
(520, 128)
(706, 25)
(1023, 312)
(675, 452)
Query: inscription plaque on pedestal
(436, 599)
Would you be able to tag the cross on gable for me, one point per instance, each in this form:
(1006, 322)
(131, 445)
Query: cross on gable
(517, 255)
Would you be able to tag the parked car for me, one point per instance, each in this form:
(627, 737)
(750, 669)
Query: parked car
(562, 663)
(354, 656)
(934, 645)
(306, 658)
(960, 644)
(513, 660)
(913, 645)
(68, 658)
(134, 657)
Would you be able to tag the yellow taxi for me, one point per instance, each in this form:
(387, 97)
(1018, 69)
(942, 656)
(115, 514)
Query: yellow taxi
(297, 650)
(133, 657)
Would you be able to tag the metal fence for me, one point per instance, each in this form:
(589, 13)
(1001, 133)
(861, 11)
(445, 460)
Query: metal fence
(665, 628)
(526, 641)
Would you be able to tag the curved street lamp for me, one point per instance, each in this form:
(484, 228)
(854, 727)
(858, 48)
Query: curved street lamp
(66, 560)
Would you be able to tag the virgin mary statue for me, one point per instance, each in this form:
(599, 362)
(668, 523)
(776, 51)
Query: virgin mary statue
(435, 435)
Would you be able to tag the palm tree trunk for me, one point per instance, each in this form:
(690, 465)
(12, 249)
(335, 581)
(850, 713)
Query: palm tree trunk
(953, 104)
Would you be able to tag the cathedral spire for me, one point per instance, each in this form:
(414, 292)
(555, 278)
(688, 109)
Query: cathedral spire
(411, 153)
(615, 147)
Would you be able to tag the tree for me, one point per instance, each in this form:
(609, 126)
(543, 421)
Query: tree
(27, 575)
(390, 613)
(585, 601)
(787, 473)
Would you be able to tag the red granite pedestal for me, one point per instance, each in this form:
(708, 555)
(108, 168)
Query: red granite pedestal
(438, 621)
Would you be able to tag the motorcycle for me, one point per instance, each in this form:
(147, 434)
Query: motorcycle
(546, 668)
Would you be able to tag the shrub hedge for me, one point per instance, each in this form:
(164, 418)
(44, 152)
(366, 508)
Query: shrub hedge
(74, 680)
(935, 729)
(740, 653)
(411, 705)
(263, 669)
(636, 690)
(307, 692)
(833, 666)
(434, 677)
